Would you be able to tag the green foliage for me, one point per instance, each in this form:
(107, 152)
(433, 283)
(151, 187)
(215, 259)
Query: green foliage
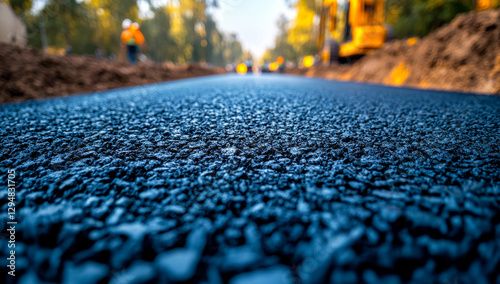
(156, 30)
(296, 38)
(20, 6)
(61, 28)
(178, 32)
(281, 45)
(232, 51)
(420, 17)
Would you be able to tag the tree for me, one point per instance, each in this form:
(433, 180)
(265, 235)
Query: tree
(296, 38)
(62, 28)
(303, 32)
(157, 31)
(420, 17)
(232, 50)
(108, 15)
(20, 6)
(179, 32)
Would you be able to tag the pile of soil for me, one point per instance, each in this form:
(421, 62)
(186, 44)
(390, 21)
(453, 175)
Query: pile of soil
(462, 56)
(27, 73)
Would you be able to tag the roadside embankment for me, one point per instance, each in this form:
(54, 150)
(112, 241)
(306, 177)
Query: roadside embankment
(27, 73)
(462, 56)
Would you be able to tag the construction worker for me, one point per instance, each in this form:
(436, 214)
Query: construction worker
(131, 37)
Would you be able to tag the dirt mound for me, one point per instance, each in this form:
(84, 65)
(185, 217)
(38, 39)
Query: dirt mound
(462, 56)
(27, 73)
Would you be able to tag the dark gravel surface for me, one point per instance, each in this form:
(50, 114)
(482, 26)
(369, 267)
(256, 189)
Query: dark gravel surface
(269, 179)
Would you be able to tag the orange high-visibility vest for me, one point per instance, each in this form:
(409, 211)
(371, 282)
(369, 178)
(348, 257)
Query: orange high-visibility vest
(139, 38)
(126, 37)
(132, 36)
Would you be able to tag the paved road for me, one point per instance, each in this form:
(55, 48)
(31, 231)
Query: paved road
(248, 179)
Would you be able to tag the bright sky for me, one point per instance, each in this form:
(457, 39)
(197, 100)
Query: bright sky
(254, 21)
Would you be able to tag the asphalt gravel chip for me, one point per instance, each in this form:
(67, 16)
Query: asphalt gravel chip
(237, 179)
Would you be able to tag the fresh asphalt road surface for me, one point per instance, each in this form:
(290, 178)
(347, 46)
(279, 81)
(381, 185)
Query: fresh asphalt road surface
(254, 179)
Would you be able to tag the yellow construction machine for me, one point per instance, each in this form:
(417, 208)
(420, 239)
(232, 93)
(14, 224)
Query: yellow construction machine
(486, 4)
(350, 28)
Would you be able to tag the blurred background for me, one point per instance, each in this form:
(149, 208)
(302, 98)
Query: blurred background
(175, 31)
(218, 32)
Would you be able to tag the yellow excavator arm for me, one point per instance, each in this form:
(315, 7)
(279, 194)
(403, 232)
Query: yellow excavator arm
(350, 28)
(484, 4)
(356, 27)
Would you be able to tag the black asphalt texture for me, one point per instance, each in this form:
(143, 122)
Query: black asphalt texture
(254, 179)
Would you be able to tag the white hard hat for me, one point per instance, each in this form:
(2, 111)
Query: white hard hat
(136, 24)
(126, 23)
